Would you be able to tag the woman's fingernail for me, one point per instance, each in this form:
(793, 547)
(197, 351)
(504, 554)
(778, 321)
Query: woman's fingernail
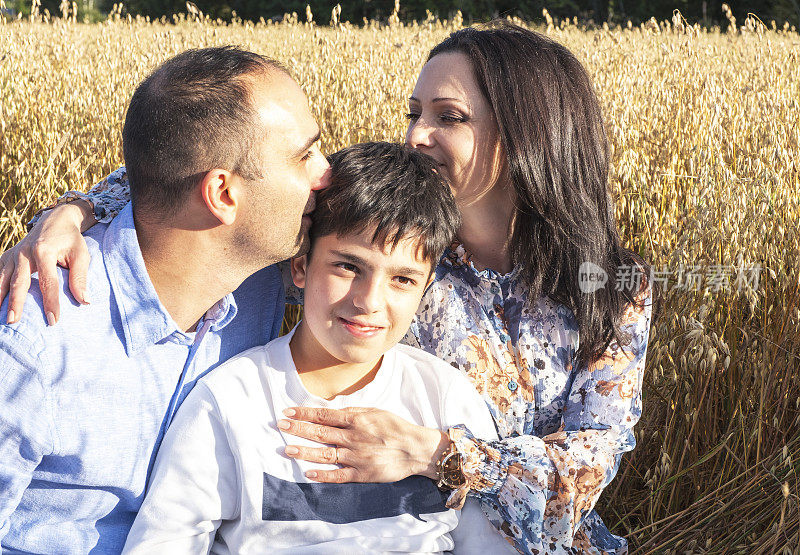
(289, 412)
(283, 424)
(51, 319)
(11, 316)
(311, 474)
(291, 450)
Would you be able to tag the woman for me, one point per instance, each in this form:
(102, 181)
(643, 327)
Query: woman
(515, 125)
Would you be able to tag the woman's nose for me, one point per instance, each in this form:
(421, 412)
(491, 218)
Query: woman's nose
(419, 134)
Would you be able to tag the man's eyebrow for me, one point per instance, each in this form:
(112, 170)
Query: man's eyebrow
(302, 150)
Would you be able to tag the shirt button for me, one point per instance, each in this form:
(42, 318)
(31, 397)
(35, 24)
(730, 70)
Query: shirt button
(512, 385)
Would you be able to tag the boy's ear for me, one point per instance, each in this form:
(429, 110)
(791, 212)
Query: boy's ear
(298, 266)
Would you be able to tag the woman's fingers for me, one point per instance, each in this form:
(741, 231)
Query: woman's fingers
(6, 271)
(314, 432)
(324, 455)
(338, 476)
(326, 417)
(18, 290)
(78, 263)
(46, 262)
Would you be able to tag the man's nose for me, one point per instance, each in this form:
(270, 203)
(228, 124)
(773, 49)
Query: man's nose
(324, 178)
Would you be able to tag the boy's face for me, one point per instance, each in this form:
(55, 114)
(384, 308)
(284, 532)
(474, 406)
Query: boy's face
(360, 297)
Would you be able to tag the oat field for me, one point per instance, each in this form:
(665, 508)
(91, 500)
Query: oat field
(705, 127)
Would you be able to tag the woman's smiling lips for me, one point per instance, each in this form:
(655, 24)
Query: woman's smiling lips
(359, 329)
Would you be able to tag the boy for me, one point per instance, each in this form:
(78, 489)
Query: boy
(379, 229)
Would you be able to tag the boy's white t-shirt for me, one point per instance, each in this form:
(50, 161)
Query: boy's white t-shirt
(221, 482)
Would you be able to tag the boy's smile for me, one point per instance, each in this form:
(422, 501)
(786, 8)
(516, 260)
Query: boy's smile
(360, 298)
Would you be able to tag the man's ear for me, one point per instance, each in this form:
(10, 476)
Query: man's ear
(221, 190)
(299, 264)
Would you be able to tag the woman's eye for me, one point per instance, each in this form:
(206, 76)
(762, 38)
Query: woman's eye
(308, 155)
(412, 116)
(452, 118)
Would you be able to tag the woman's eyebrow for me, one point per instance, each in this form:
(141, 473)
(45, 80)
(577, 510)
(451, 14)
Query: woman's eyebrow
(438, 99)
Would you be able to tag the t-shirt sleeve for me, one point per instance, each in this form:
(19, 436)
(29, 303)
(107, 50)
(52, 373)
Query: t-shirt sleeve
(194, 485)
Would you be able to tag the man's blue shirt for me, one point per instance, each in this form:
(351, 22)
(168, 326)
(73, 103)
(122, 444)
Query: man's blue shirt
(84, 404)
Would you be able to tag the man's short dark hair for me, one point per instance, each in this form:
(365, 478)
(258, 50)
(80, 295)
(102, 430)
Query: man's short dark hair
(194, 113)
(394, 189)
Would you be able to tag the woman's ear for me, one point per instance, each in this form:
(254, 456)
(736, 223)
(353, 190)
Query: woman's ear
(298, 266)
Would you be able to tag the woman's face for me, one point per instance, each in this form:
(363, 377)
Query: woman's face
(451, 120)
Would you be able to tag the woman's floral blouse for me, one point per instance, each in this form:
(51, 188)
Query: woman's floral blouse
(563, 426)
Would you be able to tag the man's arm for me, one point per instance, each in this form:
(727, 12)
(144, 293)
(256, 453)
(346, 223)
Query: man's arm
(194, 485)
(26, 423)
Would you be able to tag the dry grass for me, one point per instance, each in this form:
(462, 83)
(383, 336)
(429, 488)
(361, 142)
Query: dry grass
(706, 134)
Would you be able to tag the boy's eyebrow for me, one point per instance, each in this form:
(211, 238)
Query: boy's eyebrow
(397, 270)
(352, 258)
(407, 271)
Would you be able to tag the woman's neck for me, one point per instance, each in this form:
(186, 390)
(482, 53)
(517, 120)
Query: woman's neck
(486, 229)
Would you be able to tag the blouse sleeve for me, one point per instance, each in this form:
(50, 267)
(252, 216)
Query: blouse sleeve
(545, 486)
(108, 197)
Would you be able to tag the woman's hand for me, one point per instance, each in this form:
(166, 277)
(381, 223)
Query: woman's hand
(372, 445)
(55, 240)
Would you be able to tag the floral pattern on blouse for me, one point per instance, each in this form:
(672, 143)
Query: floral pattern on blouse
(563, 426)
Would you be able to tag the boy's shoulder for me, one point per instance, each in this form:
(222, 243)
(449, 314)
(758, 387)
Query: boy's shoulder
(243, 375)
(428, 366)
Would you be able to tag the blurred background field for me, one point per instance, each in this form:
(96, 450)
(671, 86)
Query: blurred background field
(705, 128)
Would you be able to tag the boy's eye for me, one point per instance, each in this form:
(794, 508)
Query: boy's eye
(403, 280)
(346, 266)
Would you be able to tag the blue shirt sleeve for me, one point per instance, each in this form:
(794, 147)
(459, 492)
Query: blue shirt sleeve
(26, 423)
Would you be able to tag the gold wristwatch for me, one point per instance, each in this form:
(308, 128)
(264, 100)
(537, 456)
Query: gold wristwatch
(448, 469)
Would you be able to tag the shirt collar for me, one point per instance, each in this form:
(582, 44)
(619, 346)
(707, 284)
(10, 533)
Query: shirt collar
(457, 257)
(145, 321)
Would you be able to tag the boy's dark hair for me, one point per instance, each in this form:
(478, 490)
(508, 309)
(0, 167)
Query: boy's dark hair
(194, 113)
(393, 188)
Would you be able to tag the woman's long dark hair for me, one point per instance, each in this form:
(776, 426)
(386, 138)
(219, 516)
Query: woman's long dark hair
(552, 131)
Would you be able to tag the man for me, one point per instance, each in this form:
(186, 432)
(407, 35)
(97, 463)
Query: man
(222, 157)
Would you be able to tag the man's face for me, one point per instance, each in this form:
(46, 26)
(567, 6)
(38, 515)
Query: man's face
(274, 219)
(360, 297)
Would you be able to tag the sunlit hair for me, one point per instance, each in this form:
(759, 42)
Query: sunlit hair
(391, 189)
(552, 131)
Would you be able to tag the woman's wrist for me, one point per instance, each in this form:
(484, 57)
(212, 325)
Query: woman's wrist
(433, 443)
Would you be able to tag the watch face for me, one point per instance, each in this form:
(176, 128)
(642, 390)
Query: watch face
(452, 475)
